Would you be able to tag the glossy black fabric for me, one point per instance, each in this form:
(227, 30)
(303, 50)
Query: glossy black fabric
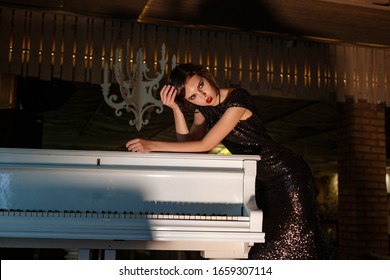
(284, 186)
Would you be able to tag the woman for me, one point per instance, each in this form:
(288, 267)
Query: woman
(284, 186)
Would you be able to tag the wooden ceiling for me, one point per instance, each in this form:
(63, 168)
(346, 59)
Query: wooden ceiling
(358, 21)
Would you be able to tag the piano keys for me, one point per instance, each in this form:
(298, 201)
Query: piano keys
(119, 200)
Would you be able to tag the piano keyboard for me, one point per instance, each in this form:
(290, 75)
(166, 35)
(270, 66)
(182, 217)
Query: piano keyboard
(116, 215)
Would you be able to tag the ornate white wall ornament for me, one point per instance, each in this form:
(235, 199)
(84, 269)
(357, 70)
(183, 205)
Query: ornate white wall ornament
(136, 87)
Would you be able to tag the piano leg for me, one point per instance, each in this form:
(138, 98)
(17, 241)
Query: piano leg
(109, 254)
(84, 254)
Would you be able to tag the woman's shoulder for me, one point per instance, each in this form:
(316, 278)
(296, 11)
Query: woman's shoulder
(240, 97)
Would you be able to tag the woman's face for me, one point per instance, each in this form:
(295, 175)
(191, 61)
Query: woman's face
(199, 92)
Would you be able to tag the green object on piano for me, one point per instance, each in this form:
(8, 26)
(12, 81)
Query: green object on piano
(220, 149)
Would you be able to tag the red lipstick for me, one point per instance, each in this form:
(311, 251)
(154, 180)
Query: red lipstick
(209, 100)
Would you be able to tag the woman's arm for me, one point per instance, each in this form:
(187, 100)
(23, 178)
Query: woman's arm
(198, 128)
(222, 128)
(168, 94)
(197, 131)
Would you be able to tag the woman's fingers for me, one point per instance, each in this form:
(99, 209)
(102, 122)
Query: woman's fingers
(168, 94)
(133, 145)
(138, 145)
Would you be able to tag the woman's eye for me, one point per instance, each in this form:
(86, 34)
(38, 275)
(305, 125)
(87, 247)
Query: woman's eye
(192, 97)
(201, 83)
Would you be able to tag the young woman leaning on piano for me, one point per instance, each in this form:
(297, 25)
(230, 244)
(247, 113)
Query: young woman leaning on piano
(284, 191)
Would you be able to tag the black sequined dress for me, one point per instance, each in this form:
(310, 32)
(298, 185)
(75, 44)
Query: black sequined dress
(284, 186)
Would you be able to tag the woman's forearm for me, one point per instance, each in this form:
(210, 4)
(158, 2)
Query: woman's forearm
(186, 146)
(181, 127)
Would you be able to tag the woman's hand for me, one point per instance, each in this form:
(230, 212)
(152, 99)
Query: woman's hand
(139, 145)
(168, 94)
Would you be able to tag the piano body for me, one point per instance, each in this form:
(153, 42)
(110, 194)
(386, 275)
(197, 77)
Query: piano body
(120, 200)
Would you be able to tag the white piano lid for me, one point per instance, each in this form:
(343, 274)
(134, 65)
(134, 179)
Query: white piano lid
(21, 155)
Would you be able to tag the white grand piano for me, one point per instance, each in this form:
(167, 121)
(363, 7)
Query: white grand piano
(120, 200)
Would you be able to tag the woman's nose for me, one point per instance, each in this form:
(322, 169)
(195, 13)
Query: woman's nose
(202, 95)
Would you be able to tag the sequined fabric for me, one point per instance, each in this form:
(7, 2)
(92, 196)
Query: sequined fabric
(284, 186)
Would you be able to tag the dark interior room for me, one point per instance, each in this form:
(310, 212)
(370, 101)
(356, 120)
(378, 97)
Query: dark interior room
(318, 71)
